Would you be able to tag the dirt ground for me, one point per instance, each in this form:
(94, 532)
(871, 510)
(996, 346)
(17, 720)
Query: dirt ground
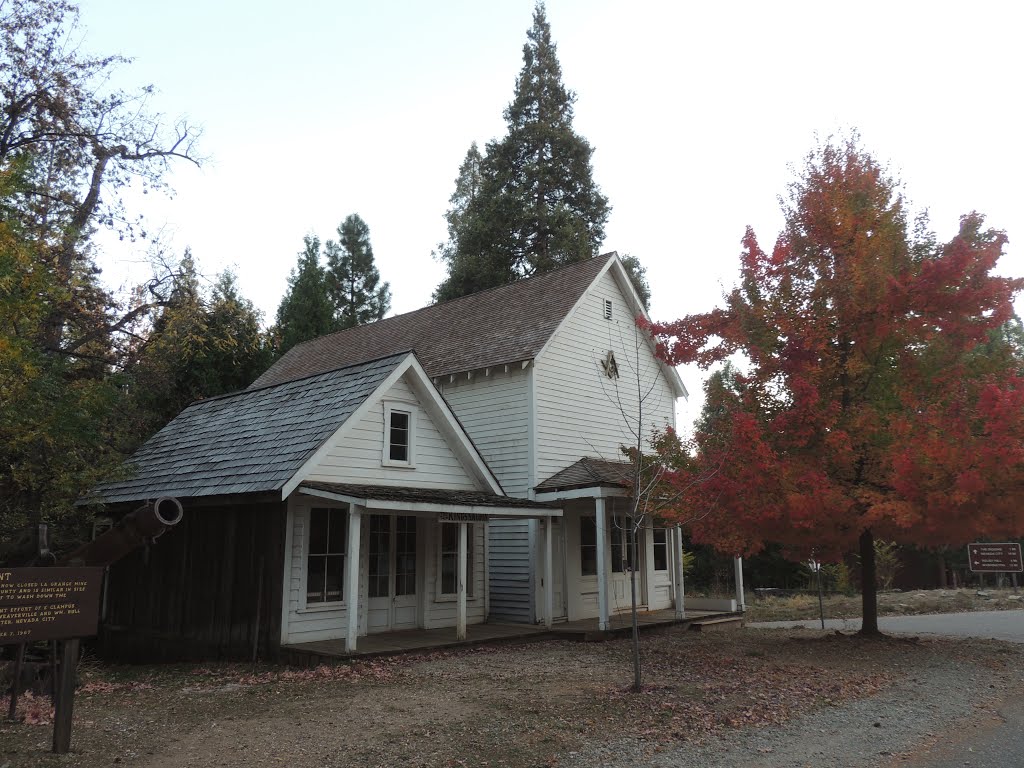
(514, 705)
(805, 606)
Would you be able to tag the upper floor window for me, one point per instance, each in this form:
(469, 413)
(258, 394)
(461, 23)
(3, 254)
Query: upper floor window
(399, 435)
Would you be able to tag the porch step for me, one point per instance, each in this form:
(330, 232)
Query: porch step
(716, 624)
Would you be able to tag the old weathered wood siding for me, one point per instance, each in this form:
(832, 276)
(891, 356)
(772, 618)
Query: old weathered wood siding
(193, 593)
(512, 576)
(357, 458)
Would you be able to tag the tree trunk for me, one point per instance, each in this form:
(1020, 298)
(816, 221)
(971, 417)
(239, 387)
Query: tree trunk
(637, 681)
(868, 590)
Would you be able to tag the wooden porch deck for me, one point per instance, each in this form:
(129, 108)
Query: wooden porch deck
(416, 640)
(622, 623)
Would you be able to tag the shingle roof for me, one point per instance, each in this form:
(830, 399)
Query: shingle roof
(251, 441)
(588, 473)
(427, 495)
(502, 325)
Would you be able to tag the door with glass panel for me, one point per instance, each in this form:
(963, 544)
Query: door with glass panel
(391, 576)
(627, 546)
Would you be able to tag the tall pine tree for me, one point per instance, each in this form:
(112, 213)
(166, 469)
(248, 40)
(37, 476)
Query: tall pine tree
(353, 281)
(537, 207)
(306, 311)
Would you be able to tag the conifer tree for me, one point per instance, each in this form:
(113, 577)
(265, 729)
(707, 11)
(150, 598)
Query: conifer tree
(538, 207)
(306, 311)
(201, 344)
(638, 276)
(353, 281)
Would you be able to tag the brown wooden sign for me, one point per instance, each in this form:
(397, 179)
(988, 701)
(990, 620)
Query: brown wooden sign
(460, 517)
(48, 603)
(994, 558)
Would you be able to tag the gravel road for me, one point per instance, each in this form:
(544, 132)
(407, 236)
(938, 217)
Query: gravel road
(939, 698)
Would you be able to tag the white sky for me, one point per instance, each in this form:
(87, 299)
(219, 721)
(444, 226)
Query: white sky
(315, 110)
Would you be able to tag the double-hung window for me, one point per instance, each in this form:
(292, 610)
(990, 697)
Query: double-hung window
(588, 545)
(325, 558)
(399, 435)
(449, 566)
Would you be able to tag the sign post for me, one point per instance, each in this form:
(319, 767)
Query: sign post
(985, 557)
(815, 567)
(52, 604)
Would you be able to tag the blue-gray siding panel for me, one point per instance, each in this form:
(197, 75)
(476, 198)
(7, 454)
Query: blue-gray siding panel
(510, 572)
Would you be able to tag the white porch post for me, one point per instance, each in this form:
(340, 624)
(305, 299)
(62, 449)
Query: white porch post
(677, 561)
(549, 581)
(738, 566)
(602, 565)
(460, 628)
(355, 517)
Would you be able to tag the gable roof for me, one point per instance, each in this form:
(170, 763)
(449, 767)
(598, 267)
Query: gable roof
(502, 325)
(237, 443)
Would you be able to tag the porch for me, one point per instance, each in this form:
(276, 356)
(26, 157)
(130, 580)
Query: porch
(421, 640)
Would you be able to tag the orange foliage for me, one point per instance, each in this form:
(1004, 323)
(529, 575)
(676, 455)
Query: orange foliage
(879, 395)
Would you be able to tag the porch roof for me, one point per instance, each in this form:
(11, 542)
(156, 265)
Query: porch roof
(402, 498)
(588, 473)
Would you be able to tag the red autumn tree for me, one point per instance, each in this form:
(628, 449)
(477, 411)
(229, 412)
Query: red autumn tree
(880, 397)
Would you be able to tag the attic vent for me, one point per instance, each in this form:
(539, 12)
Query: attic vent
(607, 309)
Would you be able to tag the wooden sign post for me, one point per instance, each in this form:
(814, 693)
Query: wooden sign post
(52, 604)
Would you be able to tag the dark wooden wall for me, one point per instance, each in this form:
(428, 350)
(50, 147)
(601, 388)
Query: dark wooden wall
(192, 594)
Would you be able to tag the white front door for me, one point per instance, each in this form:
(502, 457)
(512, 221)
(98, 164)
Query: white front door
(391, 575)
(624, 559)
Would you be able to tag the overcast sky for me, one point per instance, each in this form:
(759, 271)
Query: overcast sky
(697, 111)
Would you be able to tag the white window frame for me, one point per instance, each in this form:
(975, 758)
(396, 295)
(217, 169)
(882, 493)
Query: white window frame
(654, 549)
(307, 529)
(447, 597)
(385, 457)
(592, 517)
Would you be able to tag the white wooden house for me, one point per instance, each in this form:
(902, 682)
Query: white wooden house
(448, 466)
(548, 376)
(357, 489)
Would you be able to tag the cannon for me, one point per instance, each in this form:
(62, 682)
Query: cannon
(134, 530)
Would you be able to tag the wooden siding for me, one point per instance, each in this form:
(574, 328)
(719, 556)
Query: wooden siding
(192, 594)
(578, 406)
(494, 412)
(511, 577)
(358, 457)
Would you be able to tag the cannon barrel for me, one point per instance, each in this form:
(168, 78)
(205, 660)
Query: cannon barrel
(131, 532)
